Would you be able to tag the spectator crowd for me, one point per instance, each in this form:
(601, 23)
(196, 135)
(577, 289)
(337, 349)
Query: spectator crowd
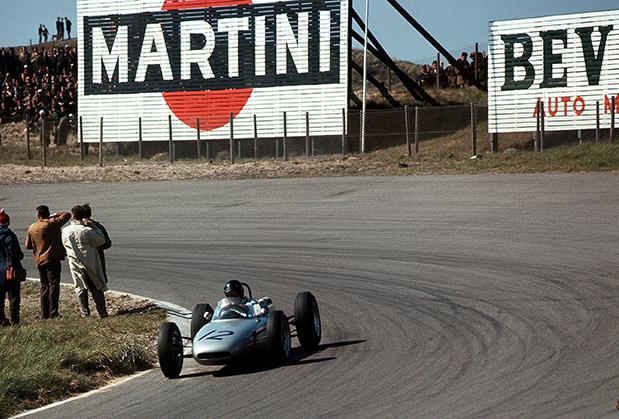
(37, 82)
(451, 77)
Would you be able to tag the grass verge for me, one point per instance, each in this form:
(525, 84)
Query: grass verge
(46, 360)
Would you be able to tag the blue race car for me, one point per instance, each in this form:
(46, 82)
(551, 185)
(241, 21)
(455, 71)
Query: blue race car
(237, 327)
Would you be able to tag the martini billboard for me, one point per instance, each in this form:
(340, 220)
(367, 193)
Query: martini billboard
(569, 62)
(209, 61)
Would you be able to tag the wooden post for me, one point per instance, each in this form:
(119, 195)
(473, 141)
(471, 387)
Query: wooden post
(28, 138)
(538, 124)
(198, 138)
(140, 150)
(101, 142)
(170, 141)
(239, 145)
(612, 118)
(285, 151)
(494, 142)
(43, 142)
(597, 121)
(343, 132)
(542, 128)
(208, 150)
(307, 129)
(476, 61)
(81, 140)
(406, 128)
(255, 137)
(473, 130)
(416, 130)
(438, 70)
(231, 138)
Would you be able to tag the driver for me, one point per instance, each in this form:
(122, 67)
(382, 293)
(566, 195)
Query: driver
(234, 289)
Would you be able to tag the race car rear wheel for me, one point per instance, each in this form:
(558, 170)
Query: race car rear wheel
(197, 318)
(278, 337)
(307, 319)
(170, 350)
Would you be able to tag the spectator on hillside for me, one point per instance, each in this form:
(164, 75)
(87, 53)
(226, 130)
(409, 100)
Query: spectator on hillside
(59, 29)
(462, 75)
(68, 24)
(40, 33)
(45, 33)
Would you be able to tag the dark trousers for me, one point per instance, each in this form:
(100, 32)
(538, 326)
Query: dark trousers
(50, 288)
(10, 289)
(97, 296)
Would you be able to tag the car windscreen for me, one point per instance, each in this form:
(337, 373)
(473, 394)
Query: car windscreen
(233, 312)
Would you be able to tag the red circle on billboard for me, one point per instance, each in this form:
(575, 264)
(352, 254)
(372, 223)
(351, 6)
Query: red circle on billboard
(213, 107)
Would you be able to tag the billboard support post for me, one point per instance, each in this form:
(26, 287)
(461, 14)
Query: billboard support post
(494, 142)
(597, 121)
(538, 124)
(231, 138)
(285, 151)
(542, 127)
(343, 132)
(199, 154)
(170, 141)
(101, 142)
(140, 150)
(208, 151)
(81, 140)
(612, 118)
(408, 140)
(255, 137)
(307, 145)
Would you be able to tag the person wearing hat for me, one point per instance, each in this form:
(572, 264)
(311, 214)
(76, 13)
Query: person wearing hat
(10, 255)
(45, 240)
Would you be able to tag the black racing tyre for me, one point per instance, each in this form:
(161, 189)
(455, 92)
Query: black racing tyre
(278, 337)
(170, 350)
(197, 318)
(307, 320)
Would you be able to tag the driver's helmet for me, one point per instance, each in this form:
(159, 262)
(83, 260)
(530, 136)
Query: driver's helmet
(234, 288)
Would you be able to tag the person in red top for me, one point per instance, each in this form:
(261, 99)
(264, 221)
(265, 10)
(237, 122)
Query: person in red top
(45, 240)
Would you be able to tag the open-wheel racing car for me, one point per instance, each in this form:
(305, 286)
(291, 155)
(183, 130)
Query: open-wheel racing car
(238, 327)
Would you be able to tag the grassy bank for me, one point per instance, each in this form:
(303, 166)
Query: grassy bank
(46, 360)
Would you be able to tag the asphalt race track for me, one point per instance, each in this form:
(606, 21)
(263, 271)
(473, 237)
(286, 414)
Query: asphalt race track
(447, 296)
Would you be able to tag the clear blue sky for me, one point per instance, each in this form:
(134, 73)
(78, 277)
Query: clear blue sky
(456, 24)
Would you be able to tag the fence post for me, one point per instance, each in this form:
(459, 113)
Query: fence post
(43, 142)
(170, 141)
(231, 138)
(285, 151)
(307, 143)
(473, 130)
(416, 129)
(28, 138)
(101, 142)
(612, 118)
(476, 61)
(140, 151)
(408, 139)
(438, 70)
(81, 140)
(542, 128)
(255, 138)
(343, 132)
(597, 121)
(198, 137)
(538, 124)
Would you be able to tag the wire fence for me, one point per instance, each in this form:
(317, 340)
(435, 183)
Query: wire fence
(455, 129)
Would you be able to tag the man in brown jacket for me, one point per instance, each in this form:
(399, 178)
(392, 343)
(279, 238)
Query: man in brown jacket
(45, 240)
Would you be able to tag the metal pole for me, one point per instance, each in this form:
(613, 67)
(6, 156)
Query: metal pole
(597, 121)
(198, 138)
(101, 142)
(81, 140)
(285, 137)
(28, 138)
(542, 128)
(476, 61)
(307, 145)
(473, 130)
(255, 137)
(612, 118)
(365, 75)
(538, 124)
(406, 128)
(170, 141)
(416, 130)
(343, 132)
(438, 70)
(231, 138)
(140, 151)
(43, 142)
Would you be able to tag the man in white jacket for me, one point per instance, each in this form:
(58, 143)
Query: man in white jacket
(81, 239)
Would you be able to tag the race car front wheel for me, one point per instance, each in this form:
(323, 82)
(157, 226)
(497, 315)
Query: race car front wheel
(170, 350)
(278, 337)
(197, 318)
(307, 320)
